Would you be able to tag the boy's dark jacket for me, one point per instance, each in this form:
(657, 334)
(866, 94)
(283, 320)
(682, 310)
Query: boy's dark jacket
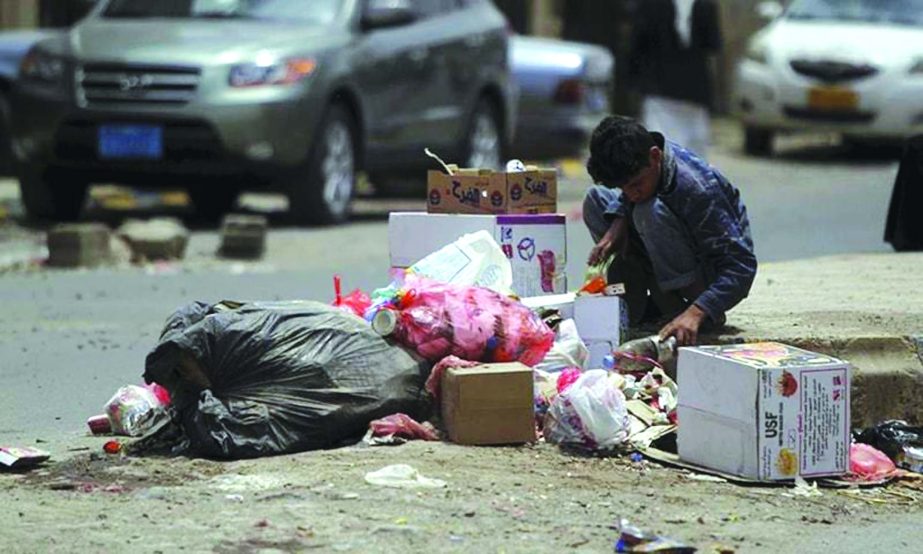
(714, 215)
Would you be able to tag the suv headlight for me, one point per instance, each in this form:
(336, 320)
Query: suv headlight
(40, 66)
(283, 72)
(917, 67)
(758, 53)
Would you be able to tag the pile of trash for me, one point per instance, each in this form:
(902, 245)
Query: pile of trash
(448, 351)
(240, 380)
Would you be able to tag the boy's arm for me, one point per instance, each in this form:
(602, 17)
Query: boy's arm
(613, 241)
(725, 248)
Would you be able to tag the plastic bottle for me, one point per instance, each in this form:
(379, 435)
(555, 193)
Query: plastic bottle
(641, 354)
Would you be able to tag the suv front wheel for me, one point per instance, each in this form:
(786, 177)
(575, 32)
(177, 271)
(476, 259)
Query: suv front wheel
(323, 190)
(51, 195)
(484, 140)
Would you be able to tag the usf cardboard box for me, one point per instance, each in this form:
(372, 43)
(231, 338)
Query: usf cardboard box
(764, 411)
(471, 191)
(488, 404)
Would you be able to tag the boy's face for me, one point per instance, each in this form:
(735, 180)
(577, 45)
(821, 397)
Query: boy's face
(643, 186)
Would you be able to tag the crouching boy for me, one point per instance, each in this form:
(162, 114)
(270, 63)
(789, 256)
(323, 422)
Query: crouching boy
(677, 225)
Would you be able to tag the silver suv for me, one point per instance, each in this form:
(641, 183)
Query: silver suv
(289, 95)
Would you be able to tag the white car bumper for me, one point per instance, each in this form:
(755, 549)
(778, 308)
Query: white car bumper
(889, 104)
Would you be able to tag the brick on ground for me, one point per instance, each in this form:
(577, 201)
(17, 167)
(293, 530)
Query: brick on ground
(78, 245)
(243, 236)
(163, 238)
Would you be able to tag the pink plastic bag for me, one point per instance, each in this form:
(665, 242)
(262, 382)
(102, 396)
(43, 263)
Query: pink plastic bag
(356, 302)
(567, 378)
(870, 464)
(402, 425)
(476, 324)
(162, 394)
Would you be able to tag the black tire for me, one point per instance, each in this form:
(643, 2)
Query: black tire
(6, 143)
(757, 141)
(211, 203)
(475, 152)
(51, 195)
(321, 192)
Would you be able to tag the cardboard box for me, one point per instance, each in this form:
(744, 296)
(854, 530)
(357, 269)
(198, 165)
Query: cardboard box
(602, 321)
(764, 411)
(564, 303)
(488, 404)
(492, 192)
(601, 318)
(598, 350)
(535, 245)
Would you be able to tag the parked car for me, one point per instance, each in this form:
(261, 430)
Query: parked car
(564, 92)
(289, 95)
(853, 67)
(13, 47)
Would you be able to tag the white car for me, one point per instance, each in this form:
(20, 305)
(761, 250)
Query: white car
(853, 67)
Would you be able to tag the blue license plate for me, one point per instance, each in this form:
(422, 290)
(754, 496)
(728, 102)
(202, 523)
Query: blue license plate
(130, 142)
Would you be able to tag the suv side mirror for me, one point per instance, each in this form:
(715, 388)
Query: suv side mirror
(769, 10)
(379, 14)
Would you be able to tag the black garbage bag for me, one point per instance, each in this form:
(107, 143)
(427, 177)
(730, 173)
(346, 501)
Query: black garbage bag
(256, 379)
(891, 437)
(904, 226)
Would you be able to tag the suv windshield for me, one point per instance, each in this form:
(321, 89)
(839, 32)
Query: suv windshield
(318, 12)
(906, 12)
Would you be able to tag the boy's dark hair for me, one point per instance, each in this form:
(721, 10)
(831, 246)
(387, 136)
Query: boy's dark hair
(619, 150)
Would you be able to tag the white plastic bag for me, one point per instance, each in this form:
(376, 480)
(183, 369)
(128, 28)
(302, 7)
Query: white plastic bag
(591, 414)
(568, 350)
(473, 260)
(402, 476)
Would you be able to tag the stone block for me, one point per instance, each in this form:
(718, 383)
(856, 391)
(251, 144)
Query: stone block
(243, 236)
(163, 238)
(78, 245)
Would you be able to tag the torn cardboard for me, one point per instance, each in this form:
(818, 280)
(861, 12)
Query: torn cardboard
(471, 191)
(13, 457)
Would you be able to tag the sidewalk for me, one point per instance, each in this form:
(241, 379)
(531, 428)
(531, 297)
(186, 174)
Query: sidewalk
(867, 309)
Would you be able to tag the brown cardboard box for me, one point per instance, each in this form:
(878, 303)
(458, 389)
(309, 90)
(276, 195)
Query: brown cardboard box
(471, 191)
(488, 404)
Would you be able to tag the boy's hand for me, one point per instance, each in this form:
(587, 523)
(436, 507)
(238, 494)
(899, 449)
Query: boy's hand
(613, 240)
(685, 327)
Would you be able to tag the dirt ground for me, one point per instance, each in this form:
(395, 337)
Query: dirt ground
(511, 499)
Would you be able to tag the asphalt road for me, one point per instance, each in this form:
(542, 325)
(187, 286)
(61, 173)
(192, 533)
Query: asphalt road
(69, 339)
